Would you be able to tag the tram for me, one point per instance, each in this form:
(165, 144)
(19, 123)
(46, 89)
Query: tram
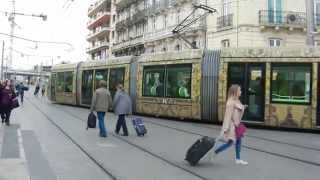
(279, 86)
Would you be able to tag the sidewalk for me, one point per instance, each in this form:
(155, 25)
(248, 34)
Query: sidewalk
(13, 165)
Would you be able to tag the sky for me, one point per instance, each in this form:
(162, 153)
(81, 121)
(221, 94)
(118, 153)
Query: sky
(66, 22)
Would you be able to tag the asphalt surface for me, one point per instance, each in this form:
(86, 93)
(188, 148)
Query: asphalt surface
(56, 145)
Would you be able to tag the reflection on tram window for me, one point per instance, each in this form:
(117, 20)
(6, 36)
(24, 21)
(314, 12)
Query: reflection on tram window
(291, 84)
(87, 85)
(153, 81)
(116, 77)
(60, 82)
(100, 75)
(178, 84)
(68, 81)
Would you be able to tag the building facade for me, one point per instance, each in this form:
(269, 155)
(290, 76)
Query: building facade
(145, 26)
(101, 26)
(260, 23)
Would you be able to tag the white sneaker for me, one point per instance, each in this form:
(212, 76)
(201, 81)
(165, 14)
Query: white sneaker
(242, 162)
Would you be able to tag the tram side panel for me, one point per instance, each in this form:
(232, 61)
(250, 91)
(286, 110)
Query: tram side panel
(169, 85)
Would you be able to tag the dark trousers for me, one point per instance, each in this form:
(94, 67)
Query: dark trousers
(21, 97)
(5, 116)
(122, 123)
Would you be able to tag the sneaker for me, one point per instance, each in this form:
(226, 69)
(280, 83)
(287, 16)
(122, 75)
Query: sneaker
(242, 162)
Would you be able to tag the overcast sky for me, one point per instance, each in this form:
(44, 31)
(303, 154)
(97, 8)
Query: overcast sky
(66, 23)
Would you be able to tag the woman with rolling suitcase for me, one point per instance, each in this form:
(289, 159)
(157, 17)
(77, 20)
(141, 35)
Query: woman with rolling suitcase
(232, 128)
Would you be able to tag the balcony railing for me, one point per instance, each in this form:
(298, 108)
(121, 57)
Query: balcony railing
(122, 4)
(95, 6)
(225, 22)
(98, 31)
(98, 45)
(282, 18)
(99, 15)
(131, 42)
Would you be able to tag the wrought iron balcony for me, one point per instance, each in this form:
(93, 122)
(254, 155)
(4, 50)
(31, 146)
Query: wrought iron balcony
(288, 19)
(225, 22)
(122, 4)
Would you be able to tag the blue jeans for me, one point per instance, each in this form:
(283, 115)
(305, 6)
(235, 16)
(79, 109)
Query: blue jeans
(228, 144)
(103, 131)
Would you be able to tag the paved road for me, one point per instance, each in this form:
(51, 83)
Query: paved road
(68, 151)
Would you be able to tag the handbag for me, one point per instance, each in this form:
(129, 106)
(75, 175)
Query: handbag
(92, 120)
(240, 130)
(15, 103)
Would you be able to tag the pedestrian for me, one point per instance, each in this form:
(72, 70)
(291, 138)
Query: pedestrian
(232, 118)
(100, 103)
(20, 89)
(122, 106)
(36, 91)
(7, 94)
(43, 90)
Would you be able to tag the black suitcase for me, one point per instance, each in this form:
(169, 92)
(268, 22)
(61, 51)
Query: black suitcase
(199, 149)
(92, 120)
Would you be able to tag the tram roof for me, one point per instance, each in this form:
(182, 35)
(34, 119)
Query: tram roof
(111, 61)
(60, 67)
(271, 52)
(172, 56)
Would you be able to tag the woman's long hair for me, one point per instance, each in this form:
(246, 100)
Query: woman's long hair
(233, 92)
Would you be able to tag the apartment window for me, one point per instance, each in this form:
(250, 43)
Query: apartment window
(178, 16)
(114, 18)
(177, 48)
(165, 17)
(274, 42)
(317, 13)
(112, 34)
(226, 7)
(225, 43)
(275, 11)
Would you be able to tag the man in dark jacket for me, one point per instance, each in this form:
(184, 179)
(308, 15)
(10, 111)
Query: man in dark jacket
(122, 106)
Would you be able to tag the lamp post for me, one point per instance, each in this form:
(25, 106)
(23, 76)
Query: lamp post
(1, 75)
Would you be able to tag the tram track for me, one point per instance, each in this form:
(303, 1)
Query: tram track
(82, 149)
(115, 136)
(245, 146)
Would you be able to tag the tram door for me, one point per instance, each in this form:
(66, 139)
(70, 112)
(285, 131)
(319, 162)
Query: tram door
(318, 99)
(251, 78)
(53, 87)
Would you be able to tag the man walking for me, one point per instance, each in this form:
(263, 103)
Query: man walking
(122, 107)
(100, 103)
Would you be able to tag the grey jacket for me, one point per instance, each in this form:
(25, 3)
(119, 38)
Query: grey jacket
(122, 103)
(101, 100)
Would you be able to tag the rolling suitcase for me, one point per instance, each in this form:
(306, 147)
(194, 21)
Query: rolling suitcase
(199, 149)
(139, 126)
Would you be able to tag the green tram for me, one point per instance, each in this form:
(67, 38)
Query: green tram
(279, 85)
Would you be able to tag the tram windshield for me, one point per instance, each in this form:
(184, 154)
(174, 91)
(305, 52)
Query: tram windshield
(291, 84)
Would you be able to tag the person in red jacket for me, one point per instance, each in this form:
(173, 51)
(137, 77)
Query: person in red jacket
(6, 95)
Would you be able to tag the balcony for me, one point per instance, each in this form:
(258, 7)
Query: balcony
(97, 6)
(98, 46)
(122, 4)
(100, 31)
(225, 22)
(139, 16)
(282, 19)
(101, 18)
(128, 43)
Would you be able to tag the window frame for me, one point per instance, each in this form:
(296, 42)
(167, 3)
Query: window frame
(165, 79)
(275, 42)
(309, 65)
(189, 65)
(143, 78)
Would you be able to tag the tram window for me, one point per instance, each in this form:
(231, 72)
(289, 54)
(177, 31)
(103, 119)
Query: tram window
(178, 81)
(116, 77)
(86, 89)
(60, 81)
(101, 74)
(68, 82)
(291, 84)
(153, 81)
